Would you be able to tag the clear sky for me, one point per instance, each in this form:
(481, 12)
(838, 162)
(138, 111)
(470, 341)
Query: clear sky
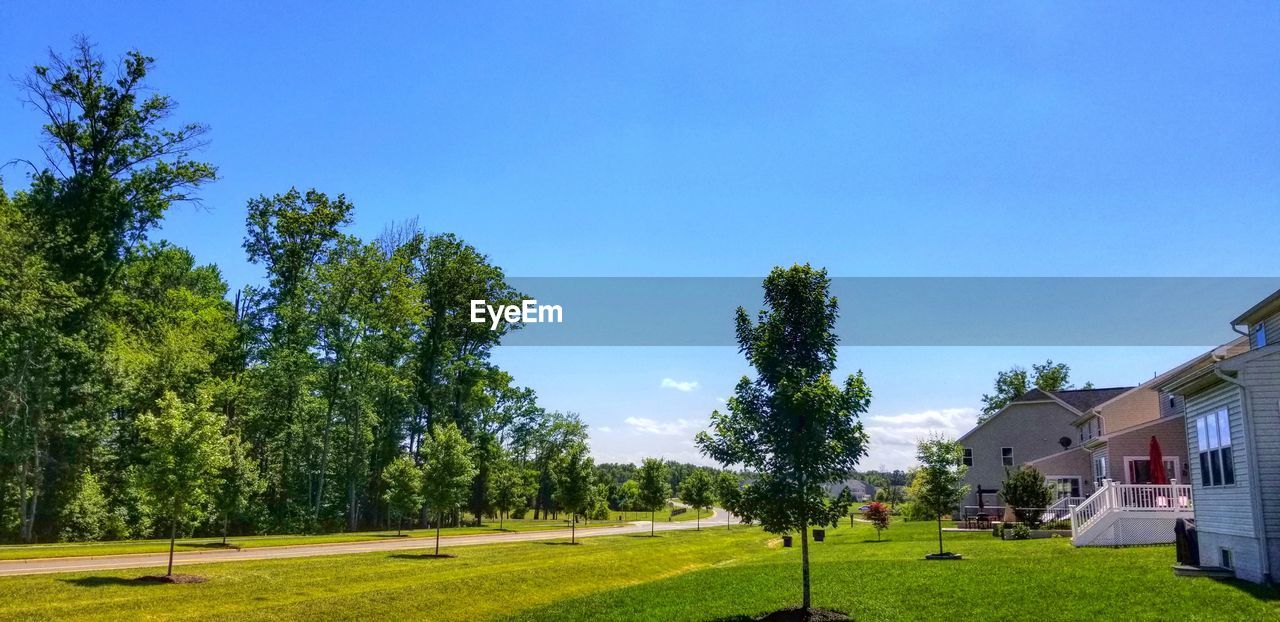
(721, 139)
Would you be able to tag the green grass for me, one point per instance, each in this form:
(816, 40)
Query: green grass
(81, 549)
(709, 575)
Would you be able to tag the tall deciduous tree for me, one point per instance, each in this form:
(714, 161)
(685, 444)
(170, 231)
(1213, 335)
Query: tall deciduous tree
(509, 486)
(1046, 376)
(575, 477)
(184, 452)
(792, 424)
(654, 487)
(446, 472)
(939, 482)
(239, 482)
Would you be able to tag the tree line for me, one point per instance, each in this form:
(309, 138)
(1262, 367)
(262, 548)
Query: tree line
(140, 395)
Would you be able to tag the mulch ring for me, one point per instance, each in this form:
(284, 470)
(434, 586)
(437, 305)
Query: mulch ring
(174, 578)
(796, 614)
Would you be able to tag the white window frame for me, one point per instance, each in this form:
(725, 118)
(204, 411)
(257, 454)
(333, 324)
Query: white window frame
(1209, 446)
(1100, 458)
(1055, 480)
(967, 459)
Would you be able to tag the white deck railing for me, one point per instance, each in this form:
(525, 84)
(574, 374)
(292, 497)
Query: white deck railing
(1137, 498)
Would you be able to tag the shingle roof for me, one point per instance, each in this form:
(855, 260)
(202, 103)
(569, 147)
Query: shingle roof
(1084, 399)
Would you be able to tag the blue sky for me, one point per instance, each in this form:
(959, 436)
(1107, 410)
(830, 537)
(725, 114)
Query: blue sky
(718, 139)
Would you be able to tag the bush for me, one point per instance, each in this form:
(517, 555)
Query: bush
(85, 516)
(1025, 491)
(878, 514)
(1021, 532)
(1064, 523)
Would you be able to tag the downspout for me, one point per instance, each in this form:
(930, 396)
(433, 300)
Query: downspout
(1254, 481)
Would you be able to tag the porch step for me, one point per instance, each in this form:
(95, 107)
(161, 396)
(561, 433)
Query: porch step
(1203, 571)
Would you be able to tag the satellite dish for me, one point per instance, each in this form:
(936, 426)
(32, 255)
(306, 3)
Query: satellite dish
(1065, 442)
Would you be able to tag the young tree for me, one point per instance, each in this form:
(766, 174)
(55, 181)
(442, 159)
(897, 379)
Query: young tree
(446, 472)
(575, 478)
(403, 488)
(1025, 490)
(184, 451)
(698, 492)
(791, 424)
(628, 495)
(878, 514)
(508, 486)
(654, 488)
(239, 482)
(729, 493)
(939, 484)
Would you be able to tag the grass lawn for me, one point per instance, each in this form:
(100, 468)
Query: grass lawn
(709, 575)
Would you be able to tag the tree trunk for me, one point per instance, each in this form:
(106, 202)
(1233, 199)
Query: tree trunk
(439, 519)
(940, 534)
(352, 519)
(173, 536)
(651, 517)
(500, 517)
(697, 517)
(573, 530)
(804, 560)
(225, 519)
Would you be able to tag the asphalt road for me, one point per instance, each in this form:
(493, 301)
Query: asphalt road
(149, 560)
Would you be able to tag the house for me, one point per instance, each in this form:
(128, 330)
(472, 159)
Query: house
(860, 490)
(1114, 448)
(1232, 427)
(1032, 426)
(1114, 437)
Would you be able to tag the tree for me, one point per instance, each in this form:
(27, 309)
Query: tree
(575, 479)
(728, 493)
(508, 486)
(629, 495)
(184, 452)
(878, 514)
(1025, 490)
(791, 424)
(1047, 376)
(85, 517)
(698, 492)
(939, 485)
(239, 482)
(446, 472)
(402, 492)
(654, 488)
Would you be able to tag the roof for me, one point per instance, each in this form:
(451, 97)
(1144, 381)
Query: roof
(1266, 307)
(1085, 399)
(856, 487)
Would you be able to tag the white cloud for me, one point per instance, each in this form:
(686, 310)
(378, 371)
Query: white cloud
(604, 428)
(679, 385)
(893, 437)
(644, 425)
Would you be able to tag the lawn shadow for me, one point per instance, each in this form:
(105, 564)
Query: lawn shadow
(423, 556)
(1256, 590)
(557, 543)
(877, 541)
(737, 618)
(640, 535)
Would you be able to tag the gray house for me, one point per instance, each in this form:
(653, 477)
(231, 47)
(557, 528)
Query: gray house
(1233, 447)
(1034, 425)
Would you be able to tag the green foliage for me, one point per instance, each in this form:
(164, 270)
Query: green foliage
(792, 424)
(653, 486)
(402, 490)
(1021, 531)
(698, 491)
(239, 484)
(447, 469)
(1015, 381)
(86, 516)
(728, 490)
(939, 484)
(1024, 489)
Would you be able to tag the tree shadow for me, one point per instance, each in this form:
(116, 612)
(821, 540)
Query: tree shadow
(108, 582)
(1256, 590)
(423, 556)
(555, 543)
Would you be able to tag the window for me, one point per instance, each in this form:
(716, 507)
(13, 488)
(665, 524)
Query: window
(1100, 466)
(1138, 469)
(1213, 442)
(968, 456)
(1259, 335)
(1006, 455)
(1225, 556)
(1063, 487)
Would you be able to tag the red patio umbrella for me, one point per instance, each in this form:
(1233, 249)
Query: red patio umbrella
(1158, 476)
